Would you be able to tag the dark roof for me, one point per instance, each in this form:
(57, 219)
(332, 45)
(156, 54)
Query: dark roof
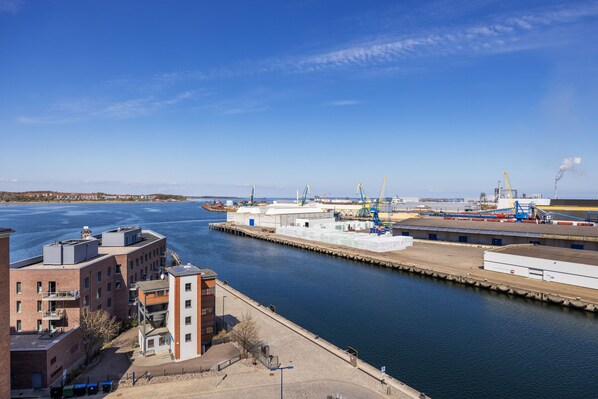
(496, 228)
(190, 270)
(37, 341)
(6, 230)
(153, 285)
(551, 253)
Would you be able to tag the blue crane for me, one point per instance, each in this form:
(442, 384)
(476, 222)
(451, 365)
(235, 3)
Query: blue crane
(363, 200)
(304, 195)
(376, 205)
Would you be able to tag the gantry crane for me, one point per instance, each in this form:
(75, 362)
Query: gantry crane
(375, 209)
(251, 203)
(303, 198)
(363, 200)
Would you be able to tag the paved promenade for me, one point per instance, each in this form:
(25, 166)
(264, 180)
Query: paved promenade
(319, 368)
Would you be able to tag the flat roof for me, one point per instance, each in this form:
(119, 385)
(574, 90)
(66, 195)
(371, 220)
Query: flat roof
(37, 341)
(6, 230)
(190, 270)
(497, 228)
(153, 285)
(37, 263)
(147, 237)
(123, 229)
(551, 253)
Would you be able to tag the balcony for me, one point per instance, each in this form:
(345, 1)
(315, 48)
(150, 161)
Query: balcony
(71, 295)
(57, 314)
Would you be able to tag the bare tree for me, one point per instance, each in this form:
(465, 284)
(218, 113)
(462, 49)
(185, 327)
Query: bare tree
(97, 328)
(246, 333)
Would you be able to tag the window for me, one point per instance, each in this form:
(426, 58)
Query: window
(109, 271)
(405, 234)
(187, 303)
(109, 304)
(187, 337)
(109, 287)
(18, 287)
(53, 360)
(187, 320)
(462, 238)
(86, 282)
(207, 291)
(162, 341)
(118, 285)
(131, 279)
(150, 343)
(99, 293)
(187, 286)
(131, 264)
(39, 287)
(86, 300)
(39, 306)
(39, 326)
(432, 236)
(136, 262)
(99, 276)
(100, 307)
(117, 271)
(19, 306)
(146, 257)
(74, 348)
(205, 311)
(18, 325)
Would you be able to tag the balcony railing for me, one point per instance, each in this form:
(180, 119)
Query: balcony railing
(61, 295)
(57, 314)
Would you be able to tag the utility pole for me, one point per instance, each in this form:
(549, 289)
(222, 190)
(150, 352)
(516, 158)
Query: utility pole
(281, 372)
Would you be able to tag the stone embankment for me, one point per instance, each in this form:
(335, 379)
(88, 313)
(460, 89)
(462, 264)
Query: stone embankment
(379, 260)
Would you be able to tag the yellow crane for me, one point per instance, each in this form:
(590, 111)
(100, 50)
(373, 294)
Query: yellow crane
(509, 190)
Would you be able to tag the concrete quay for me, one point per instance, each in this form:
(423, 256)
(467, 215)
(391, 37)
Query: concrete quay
(458, 263)
(320, 369)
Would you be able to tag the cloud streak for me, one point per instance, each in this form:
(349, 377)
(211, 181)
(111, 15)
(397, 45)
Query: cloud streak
(80, 110)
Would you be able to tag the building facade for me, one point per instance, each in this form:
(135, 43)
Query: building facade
(48, 291)
(277, 215)
(494, 232)
(178, 314)
(558, 265)
(5, 298)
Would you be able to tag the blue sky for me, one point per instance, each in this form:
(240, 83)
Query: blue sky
(211, 97)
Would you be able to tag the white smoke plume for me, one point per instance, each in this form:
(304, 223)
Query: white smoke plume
(569, 163)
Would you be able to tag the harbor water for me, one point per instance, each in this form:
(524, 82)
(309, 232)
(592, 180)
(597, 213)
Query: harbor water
(447, 340)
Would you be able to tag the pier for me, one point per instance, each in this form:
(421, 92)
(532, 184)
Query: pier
(458, 263)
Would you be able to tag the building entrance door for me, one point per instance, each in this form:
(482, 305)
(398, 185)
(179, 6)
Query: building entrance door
(36, 380)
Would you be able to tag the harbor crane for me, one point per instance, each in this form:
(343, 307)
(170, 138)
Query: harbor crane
(303, 198)
(363, 200)
(251, 203)
(375, 209)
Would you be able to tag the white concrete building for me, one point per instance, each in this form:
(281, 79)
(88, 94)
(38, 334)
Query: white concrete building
(276, 215)
(559, 265)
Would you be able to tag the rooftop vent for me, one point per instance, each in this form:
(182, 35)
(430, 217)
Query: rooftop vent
(86, 233)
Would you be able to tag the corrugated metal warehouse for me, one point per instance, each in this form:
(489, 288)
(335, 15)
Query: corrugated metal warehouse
(499, 233)
(559, 265)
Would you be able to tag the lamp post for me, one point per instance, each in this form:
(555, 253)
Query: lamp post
(281, 372)
(223, 323)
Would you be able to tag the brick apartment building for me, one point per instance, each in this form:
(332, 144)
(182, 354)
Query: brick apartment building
(48, 291)
(4, 312)
(177, 314)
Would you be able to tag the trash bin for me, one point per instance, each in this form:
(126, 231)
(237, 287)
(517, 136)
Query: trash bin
(80, 389)
(107, 386)
(56, 392)
(68, 391)
(92, 389)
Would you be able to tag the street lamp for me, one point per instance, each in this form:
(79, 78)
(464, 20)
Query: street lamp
(281, 372)
(223, 323)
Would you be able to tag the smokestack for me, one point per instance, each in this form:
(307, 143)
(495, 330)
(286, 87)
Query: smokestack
(569, 163)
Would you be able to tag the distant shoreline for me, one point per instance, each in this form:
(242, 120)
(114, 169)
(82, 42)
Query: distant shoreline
(85, 202)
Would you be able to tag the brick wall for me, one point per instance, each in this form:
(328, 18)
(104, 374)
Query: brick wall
(4, 319)
(65, 354)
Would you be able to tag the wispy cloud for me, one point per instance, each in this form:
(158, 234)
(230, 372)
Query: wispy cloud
(342, 103)
(79, 110)
(10, 6)
(501, 34)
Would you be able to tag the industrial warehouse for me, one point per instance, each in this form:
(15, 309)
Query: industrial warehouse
(557, 265)
(495, 232)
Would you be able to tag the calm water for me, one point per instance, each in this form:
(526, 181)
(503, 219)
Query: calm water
(447, 340)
